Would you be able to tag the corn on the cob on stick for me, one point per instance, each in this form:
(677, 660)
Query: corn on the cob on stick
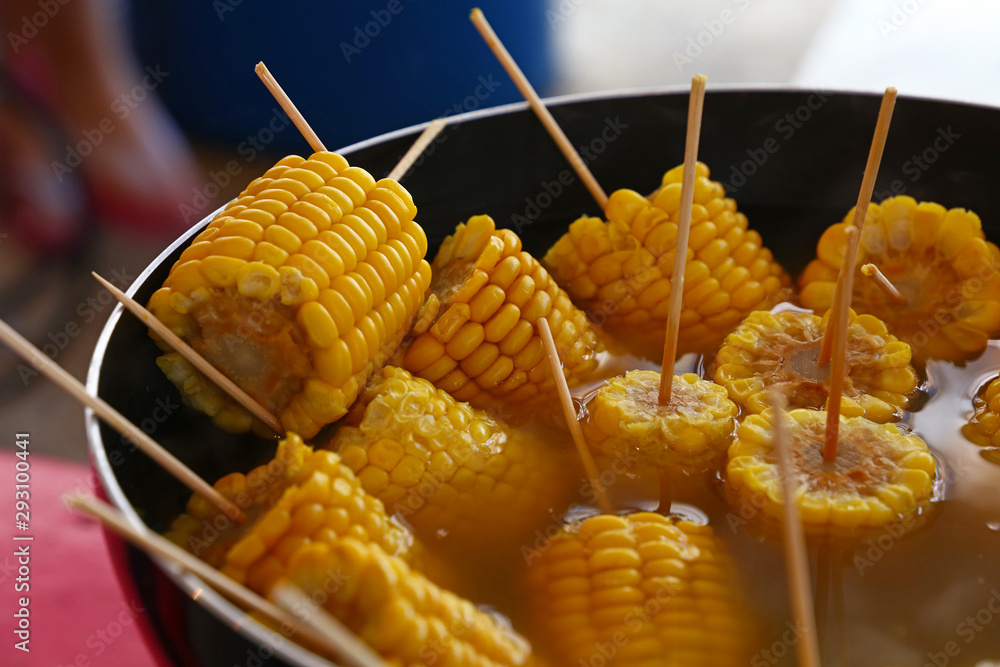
(406, 618)
(880, 474)
(781, 350)
(446, 466)
(481, 345)
(638, 589)
(298, 498)
(619, 270)
(690, 433)
(938, 259)
(297, 291)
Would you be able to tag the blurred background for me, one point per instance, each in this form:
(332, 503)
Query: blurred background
(124, 123)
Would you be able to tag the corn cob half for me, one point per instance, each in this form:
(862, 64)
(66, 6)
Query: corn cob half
(481, 345)
(619, 271)
(880, 474)
(696, 428)
(984, 427)
(403, 616)
(300, 497)
(297, 291)
(449, 468)
(939, 260)
(782, 350)
(638, 589)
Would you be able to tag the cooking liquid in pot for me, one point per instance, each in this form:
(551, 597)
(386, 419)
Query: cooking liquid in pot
(921, 592)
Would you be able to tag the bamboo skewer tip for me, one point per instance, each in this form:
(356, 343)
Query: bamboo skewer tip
(286, 103)
(535, 102)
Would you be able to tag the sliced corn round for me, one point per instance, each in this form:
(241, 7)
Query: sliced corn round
(937, 258)
(625, 418)
(781, 350)
(880, 474)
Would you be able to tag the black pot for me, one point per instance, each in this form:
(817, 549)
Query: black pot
(793, 159)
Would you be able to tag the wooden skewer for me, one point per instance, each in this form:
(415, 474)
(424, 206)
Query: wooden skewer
(845, 281)
(289, 107)
(189, 353)
(521, 81)
(884, 284)
(334, 637)
(799, 584)
(695, 105)
(418, 147)
(354, 651)
(861, 209)
(74, 388)
(566, 401)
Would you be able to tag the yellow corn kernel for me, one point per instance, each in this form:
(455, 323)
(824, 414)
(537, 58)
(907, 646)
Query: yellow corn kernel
(654, 588)
(290, 277)
(288, 500)
(937, 258)
(879, 475)
(694, 430)
(397, 611)
(782, 350)
(492, 293)
(617, 279)
(453, 469)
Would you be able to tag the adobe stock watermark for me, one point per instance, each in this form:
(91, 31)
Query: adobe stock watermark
(712, 30)
(363, 35)
(121, 107)
(921, 162)
(786, 128)
(967, 630)
(559, 13)
(86, 312)
(32, 23)
(204, 197)
(550, 191)
(484, 89)
(899, 16)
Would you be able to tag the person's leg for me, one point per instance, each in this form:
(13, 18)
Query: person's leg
(136, 162)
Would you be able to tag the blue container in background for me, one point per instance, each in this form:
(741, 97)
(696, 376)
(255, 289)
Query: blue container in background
(354, 69)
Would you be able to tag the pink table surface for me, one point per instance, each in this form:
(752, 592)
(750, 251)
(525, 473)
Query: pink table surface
(79, 614)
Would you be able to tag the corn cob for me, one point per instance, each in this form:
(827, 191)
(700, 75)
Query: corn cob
(696, 428)
(300, 497)
(447, 467)
(938, 259)
(403, 616)
(481, 345)
(880, 474)
(782, 349)
(297, 291)
(984, 427)
(620, 271)
(638, 589)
